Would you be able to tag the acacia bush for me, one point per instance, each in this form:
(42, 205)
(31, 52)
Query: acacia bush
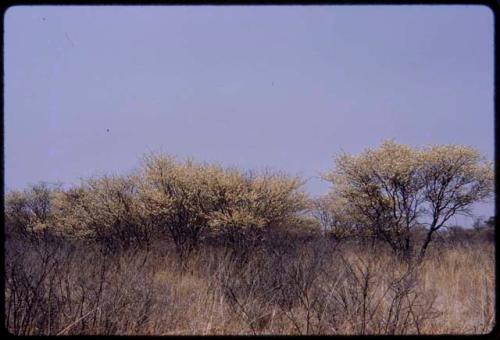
(189, 200)
(185, 201)
(335, 219)
(394, 189)
(29, 213)
(106, 210)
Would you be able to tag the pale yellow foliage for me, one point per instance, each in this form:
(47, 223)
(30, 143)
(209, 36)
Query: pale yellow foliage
(98, 207)
(182, 198)
(219, 197)
(395, 187)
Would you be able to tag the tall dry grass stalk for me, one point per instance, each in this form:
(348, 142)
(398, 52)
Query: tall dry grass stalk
(314, 287)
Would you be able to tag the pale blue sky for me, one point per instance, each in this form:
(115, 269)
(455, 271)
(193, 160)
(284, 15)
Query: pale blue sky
(279, 87)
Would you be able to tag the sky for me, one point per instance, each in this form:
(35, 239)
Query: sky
(89, 89)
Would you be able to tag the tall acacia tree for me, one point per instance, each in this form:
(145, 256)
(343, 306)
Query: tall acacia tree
(395, 188)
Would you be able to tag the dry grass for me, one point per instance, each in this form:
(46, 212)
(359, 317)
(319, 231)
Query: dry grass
(316, 287)
(464, 281)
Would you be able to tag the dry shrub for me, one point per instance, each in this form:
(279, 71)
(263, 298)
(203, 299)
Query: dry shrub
(316, 287)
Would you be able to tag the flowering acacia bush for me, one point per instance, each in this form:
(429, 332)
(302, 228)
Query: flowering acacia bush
(104, 209)
(383, 193)
(186, 199)
(334, 218)
(396, 188)
(29, 212)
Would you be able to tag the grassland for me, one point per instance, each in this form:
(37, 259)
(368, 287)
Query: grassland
(288, 284)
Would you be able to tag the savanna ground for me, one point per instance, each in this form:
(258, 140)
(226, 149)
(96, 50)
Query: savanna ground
(291, 283)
